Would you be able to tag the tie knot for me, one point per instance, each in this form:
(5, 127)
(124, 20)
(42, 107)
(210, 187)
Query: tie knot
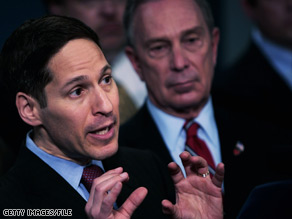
(89, 174)
(191, 128)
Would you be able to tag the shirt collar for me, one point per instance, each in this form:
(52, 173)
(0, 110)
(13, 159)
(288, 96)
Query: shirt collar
(171, 127)
(63, 167)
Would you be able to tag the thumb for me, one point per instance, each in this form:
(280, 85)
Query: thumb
(168, 208)
(133, 201)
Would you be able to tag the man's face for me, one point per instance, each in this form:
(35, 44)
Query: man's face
(81, 119)
(175, 55)
(274, 18)
(105, 17)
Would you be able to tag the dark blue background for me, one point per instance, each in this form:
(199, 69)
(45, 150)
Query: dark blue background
(14, 12)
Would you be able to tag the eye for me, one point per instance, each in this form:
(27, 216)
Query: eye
(107, 79)
(158, 50)
(76, 92)
(192, 42)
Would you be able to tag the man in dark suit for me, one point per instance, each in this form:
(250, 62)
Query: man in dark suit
(173, 48)
(259, 83)
(64, 90)
(258, 86)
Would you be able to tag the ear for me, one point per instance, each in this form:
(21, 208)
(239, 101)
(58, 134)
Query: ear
(134, 59)
(28, 109)
(215, 43)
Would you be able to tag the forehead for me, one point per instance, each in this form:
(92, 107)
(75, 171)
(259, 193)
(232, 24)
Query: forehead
(167, 17)
(77, 56)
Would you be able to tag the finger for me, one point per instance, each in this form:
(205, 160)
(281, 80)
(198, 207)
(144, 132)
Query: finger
(106, 182)
(110, 199)
(107, 175)
(106, 208)
(134, 200)
(175, 172)
(100, 189)
(168, 208)
(219, 175)
(185, 158)
(194, 164)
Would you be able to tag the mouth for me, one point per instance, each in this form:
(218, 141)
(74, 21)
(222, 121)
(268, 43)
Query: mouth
(183, 87)
(104, 133)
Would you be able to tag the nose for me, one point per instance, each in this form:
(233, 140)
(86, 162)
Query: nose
(102, 104)
(178, 60)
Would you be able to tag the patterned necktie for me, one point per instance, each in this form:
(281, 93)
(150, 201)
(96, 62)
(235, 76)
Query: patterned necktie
(89, 174)
(197, 146)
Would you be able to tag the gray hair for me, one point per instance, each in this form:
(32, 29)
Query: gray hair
(133, 5)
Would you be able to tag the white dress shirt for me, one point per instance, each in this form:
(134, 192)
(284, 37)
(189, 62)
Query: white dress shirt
(279, 57)
(174, 135)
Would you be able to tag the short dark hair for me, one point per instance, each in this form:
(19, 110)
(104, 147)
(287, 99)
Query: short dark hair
(132, 6)
(26, 53)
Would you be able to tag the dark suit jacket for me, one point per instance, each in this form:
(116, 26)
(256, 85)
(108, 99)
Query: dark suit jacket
(269, 201)
(242, 172)
(32, 184)
(252, 86)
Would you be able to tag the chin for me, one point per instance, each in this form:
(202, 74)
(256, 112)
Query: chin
(105, 151)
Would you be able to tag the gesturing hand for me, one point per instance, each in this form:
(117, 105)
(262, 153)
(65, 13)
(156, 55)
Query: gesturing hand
(104, 193)
(196, 196)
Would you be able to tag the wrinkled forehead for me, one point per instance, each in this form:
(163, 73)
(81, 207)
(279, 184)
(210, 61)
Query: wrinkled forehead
(167, 17)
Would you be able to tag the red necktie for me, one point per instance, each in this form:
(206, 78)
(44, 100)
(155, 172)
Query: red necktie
(89, 174)
(196, 144)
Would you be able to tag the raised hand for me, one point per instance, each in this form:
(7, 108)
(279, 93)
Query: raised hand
(104, 193)
(197, 195)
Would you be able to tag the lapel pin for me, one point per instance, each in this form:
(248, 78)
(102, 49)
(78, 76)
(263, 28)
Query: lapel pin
(239, 148)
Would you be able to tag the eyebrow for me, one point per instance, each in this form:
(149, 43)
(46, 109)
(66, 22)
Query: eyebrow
(198, 29)
(85, 77)
(105, 68)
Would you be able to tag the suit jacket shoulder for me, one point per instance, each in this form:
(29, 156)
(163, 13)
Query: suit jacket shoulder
(32, 184)
(252, 86)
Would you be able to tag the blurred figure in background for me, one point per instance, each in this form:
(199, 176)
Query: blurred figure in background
(105, 18)
(259, 85)
(260, 82)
